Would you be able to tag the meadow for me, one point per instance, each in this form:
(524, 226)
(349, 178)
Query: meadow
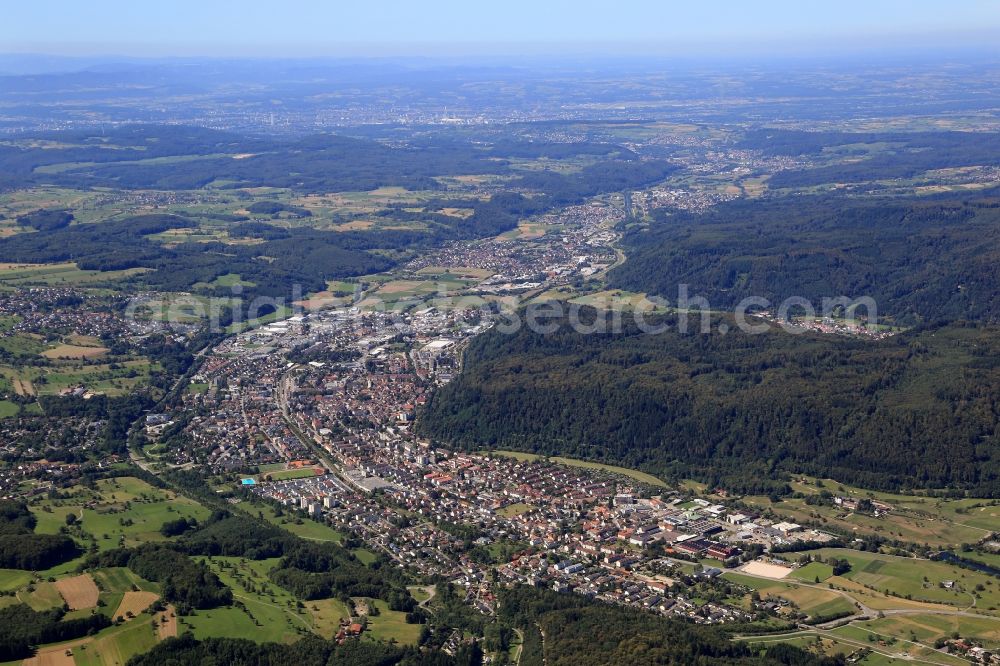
(815, 602)
(390, 625)
(123, 511)
(918, 580)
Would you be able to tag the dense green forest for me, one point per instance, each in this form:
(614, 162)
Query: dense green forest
(917, 410)
(920, 260)
(186, 650)
(569, 630)
(895, 154)
(22, 628)
(140, 157)
(306, 257)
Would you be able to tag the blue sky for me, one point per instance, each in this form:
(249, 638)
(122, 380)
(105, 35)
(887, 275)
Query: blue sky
(393, 27)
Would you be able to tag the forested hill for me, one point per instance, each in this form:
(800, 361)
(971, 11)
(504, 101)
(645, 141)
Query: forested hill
(918, 410)
(921, 260)
(894, 154)
(170, 157)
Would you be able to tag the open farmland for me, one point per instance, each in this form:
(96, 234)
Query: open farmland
(918, 580)
(79, 591)
(119, 511)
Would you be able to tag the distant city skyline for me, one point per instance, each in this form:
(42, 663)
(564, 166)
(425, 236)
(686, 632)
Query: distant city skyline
(306, 28)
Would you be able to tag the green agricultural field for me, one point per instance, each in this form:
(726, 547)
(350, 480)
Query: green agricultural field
(114, 582)
(618, 300)
(930, 627)
(98, 377)
(12, 579)
(122, 511)
(463, 272)
(180, 308)
(642, 477)
(116, 645)
(815, 602)
(401, 290)
(920, 580)
(989, 559)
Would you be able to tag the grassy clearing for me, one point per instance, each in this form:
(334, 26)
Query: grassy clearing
(516, 509)
(642, 477)
(41, 596)
(11, 579)
(391, 625)
(527, 231)
(618, 300)
(226, 281)
(326, 616)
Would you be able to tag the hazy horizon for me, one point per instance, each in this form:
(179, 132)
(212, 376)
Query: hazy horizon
(304, 29)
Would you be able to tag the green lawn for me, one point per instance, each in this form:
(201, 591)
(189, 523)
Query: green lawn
(810, 572)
